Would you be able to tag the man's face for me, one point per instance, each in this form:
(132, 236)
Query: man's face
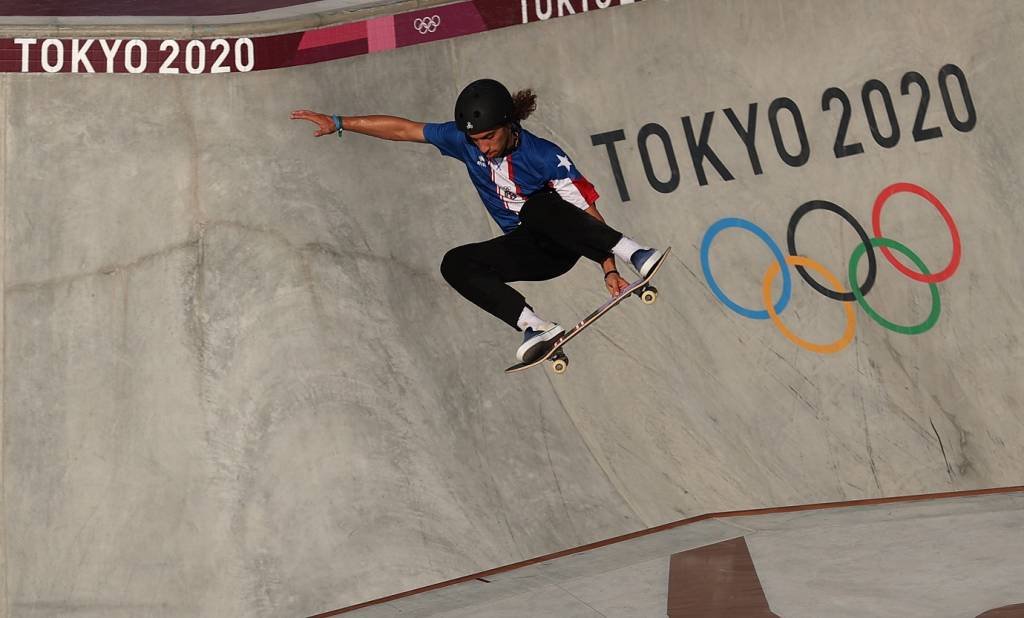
(492, 142)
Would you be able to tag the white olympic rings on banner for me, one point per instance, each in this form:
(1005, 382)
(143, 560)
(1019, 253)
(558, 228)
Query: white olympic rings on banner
(423, 25)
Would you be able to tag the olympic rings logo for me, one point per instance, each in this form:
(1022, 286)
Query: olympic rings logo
(423, 25)
(857, 292)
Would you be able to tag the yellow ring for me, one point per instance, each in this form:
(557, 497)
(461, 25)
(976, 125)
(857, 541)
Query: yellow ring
(820, 348)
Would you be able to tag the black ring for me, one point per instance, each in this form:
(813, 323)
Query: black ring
(791, 243)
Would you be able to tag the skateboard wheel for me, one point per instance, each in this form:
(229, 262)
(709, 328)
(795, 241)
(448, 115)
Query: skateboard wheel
(649, 295)
(559, 362)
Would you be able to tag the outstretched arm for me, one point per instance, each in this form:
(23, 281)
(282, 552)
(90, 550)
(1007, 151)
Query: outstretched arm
(385, 127)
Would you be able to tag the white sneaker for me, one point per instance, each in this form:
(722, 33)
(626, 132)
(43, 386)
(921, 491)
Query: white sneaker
(536, 343)
(644, 260)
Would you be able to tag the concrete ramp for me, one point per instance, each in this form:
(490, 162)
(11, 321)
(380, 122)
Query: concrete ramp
(235, 384)
(920, 556)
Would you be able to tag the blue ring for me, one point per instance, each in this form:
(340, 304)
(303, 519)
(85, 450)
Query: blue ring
(705, 245)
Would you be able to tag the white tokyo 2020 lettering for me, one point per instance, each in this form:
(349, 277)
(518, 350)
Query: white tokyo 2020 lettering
(546, 9)
(138, 56)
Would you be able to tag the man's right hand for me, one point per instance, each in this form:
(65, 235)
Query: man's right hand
(615, 283)
(324, 123)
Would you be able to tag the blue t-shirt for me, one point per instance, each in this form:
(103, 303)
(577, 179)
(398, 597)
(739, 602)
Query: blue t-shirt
(504, 184)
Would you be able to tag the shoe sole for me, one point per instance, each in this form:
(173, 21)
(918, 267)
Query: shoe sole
(649, 264)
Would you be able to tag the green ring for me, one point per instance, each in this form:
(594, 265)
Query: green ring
(899, 328)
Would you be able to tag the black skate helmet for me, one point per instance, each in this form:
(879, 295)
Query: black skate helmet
(483, 105)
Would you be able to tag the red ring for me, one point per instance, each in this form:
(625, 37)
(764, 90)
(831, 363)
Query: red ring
(876, 225)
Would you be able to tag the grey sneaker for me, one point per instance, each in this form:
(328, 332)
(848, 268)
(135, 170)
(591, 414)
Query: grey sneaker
(643, 260)
(536, 343)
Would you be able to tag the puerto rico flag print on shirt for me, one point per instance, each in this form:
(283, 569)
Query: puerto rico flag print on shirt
(504, 184)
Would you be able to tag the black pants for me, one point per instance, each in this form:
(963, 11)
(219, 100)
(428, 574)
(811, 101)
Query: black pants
(551, 237)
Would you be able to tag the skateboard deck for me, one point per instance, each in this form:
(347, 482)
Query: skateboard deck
(641, 287)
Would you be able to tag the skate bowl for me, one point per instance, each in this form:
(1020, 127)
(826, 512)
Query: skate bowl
(235, 383)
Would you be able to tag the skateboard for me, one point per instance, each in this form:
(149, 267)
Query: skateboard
(642, 288)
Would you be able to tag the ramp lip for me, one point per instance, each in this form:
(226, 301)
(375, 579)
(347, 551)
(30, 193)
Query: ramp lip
(820, 506)
(181, 27)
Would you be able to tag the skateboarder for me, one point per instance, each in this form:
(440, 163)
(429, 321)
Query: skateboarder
(544, 206)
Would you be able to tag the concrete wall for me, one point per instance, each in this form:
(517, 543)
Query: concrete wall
(4, 606)
(235, 383)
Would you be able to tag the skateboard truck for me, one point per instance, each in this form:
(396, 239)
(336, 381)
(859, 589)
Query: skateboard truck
(559, 362)
(647, 294)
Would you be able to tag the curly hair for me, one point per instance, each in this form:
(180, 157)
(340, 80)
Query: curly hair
(524, 103)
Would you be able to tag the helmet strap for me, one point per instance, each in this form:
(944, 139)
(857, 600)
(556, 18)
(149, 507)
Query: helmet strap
(515, 128)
